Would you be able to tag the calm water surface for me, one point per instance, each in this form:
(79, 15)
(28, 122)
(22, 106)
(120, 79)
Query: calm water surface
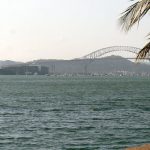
(45, 113)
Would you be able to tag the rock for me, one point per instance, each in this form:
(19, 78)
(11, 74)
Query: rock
(143, 147)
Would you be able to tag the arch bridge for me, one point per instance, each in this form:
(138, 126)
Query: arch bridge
(98, 53)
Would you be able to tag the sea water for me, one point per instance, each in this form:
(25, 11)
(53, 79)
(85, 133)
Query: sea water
(74, 113)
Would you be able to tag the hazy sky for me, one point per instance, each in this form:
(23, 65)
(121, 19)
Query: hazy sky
(63, 29)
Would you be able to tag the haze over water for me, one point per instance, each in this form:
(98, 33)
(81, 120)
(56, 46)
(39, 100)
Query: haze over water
(86, 113)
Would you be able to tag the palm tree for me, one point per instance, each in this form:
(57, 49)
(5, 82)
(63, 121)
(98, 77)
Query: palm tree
(133, 15)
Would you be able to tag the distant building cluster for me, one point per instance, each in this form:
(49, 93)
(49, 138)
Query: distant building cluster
(24, 70)
(43, 70)
(111, 74)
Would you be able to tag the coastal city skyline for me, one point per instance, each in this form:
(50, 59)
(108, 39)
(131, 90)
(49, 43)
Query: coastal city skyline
(55, 29)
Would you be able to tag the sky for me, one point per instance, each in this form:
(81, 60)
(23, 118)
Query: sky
(63, 29)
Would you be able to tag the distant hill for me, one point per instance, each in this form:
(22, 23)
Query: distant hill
(103, 65)
(8, 63)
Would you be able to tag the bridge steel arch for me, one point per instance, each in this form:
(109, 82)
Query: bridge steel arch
(103, 51)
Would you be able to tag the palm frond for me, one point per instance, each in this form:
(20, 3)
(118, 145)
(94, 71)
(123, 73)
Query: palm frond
(134, 14)
(143, 52)
(148, 36)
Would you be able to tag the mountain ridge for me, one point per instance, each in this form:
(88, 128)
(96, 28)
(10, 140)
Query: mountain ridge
(108, 64)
